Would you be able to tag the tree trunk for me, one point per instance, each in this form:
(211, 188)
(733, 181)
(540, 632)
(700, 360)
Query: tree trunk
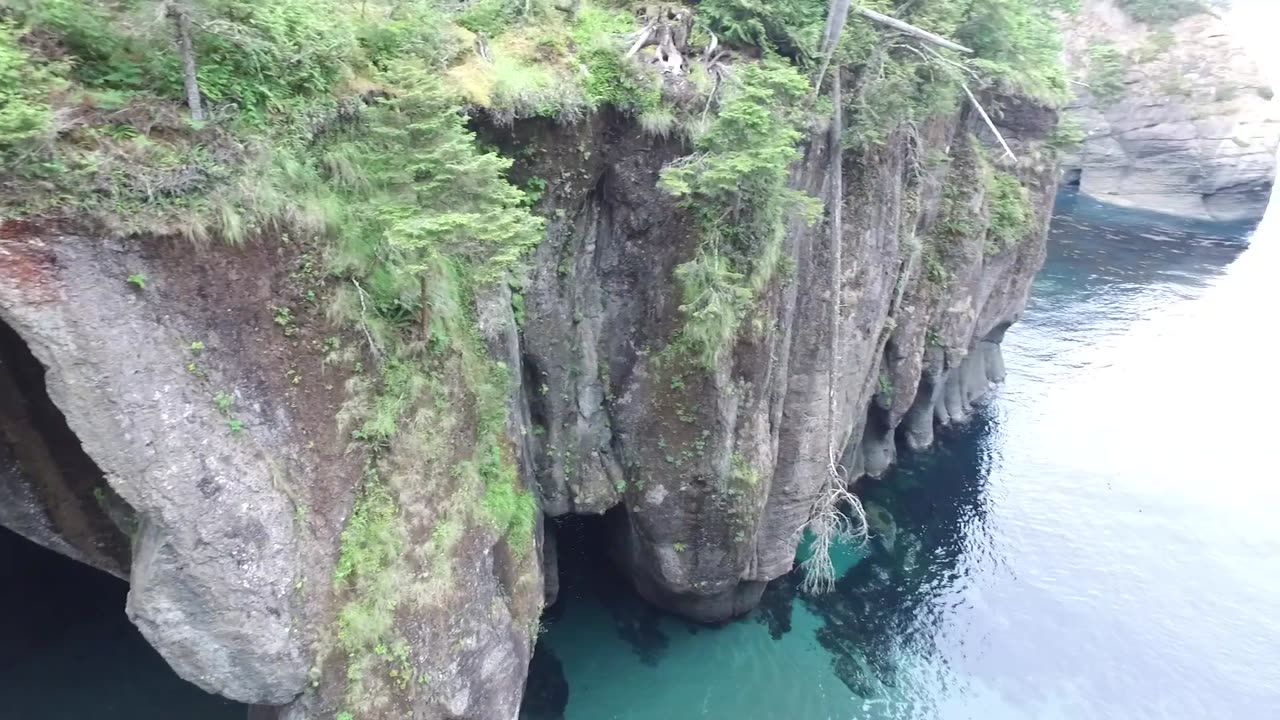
(182, 27)
(425, 320)
(837, 13)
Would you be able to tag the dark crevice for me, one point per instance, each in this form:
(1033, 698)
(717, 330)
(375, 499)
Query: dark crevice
(533, 380)
(70, 507)
(69, 651)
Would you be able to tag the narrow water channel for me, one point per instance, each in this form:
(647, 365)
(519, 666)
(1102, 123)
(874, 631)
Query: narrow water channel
(1097, 543)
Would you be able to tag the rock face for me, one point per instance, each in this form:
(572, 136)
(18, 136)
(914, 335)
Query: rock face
(180, 432)
(1186, 126)
(717, 471)
(168, 412)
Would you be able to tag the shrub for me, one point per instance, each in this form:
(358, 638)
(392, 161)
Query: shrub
(25, 115)
(1107, 70)
(262, 55)
(1162, 12)
(1009, 204)
(1017, 46)
(736, 188)
(792, 28)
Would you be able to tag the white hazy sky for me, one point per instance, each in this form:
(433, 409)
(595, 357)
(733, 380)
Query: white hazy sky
(1255, 23)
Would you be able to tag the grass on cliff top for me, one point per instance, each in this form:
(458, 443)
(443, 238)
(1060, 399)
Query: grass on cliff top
(1004, 217)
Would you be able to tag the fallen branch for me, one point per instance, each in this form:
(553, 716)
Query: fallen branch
(642, 39)
(837, 14)
(373, 346)
(990, 124)
(912, 30)
(711, 47)
(828, 522)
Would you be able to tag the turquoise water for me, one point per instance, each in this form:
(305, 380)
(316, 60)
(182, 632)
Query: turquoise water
(1098, 542)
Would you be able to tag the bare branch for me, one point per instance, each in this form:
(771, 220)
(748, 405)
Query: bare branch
(837, 14)
(828, 523)
(373, 346)
(711, 47)
(912, 30)
(990, 124)
(182, 31)
(645, 33)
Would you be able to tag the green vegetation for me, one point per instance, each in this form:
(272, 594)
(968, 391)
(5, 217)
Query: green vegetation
(1067, 136)
(429, 223)
(333, 127)
(742, 471)
(1162, 12)
(1009, 205)
(1016, 51)
(341, 129)
(25, 114)
(1158, 44)
(792, 29)
(223, 402)
(1005, 210)
(1107, 70)
(1017, 45)
(736, 188)
(137, 280)
(885, 386)
(736, 182)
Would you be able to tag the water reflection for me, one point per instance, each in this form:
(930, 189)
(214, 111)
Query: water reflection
(928, 524)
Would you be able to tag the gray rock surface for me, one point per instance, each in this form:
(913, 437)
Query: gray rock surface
(214, 558)
(228, 539)
(717, 471)
(1193, 133)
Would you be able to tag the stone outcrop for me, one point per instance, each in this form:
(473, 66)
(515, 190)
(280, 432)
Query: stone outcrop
(717, 470)
(180, 432)
(1191, 130)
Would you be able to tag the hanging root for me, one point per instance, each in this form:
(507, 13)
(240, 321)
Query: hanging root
(830, 524)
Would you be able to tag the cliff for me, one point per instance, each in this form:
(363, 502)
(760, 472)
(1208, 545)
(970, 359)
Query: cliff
(717, 470)
(1176, 118)
(315, 403)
